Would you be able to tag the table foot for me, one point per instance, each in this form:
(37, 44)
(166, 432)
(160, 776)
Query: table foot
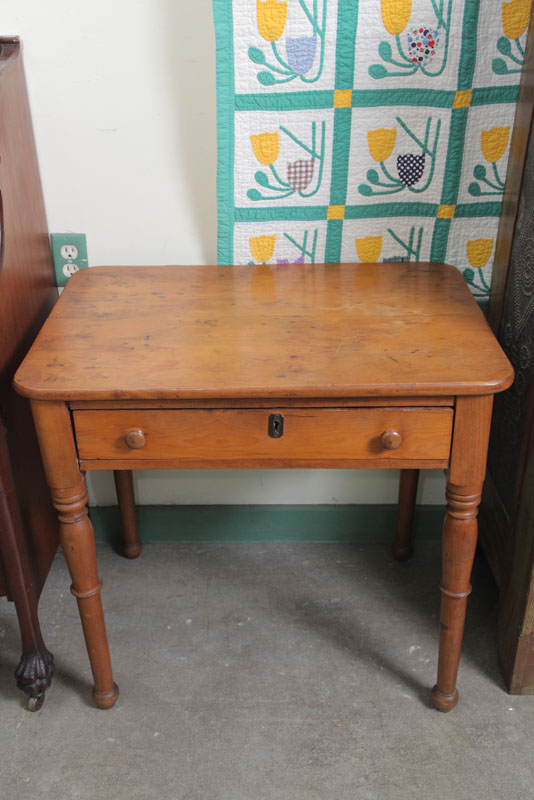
(444, 702)
(132, 550)
(400, 552)
(34, 675)
(106, 700)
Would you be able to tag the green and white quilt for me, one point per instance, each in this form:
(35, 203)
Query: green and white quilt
(365, 130)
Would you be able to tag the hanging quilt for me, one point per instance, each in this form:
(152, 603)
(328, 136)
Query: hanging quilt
(360, 130)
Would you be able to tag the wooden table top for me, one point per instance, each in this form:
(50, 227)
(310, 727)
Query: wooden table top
(185, 332)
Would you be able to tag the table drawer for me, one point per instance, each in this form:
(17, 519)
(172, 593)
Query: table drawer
(317, 434)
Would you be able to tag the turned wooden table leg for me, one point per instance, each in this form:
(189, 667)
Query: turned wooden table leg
(458, 552)
(402, 547)
(78, 543)
(464, 489)
(132, 545)
(67, 487)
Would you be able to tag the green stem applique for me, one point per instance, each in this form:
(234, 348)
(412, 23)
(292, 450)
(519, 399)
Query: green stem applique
(479, 172)
(302, 248)
(409, 248)
(505, 47)
(481, 290)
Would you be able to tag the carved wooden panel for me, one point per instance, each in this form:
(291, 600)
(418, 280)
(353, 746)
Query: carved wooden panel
(507, 509)
(513, 407)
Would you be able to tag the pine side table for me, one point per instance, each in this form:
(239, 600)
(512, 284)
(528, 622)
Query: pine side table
(367, 365)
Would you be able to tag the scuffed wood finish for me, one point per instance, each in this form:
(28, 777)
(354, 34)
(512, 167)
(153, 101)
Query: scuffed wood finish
(67, 487)
(126, 499)
(324, 435)
(358, 330)
(183, 366)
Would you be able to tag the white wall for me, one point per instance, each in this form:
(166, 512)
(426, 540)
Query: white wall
(123, 101)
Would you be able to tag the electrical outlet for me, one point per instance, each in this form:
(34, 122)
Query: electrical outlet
(69, 251)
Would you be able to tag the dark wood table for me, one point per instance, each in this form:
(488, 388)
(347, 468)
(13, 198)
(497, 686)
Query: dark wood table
(368, 365)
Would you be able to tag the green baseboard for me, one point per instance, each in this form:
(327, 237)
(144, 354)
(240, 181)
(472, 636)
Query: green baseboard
(269, 523)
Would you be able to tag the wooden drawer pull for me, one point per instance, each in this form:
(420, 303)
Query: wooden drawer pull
(135, 439)
(390, 440)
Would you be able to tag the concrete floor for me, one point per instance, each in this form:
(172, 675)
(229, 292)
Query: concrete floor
(266, 672)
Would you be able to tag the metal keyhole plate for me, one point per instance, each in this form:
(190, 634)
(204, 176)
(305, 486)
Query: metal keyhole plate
(276, 425)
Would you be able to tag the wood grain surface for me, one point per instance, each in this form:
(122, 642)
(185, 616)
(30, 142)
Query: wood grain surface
(264, 331)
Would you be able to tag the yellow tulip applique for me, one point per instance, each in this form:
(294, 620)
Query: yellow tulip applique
(266, 147)
(369, 248)
(515, 16)
(479, 252)
(381, 143)
(271, 16)
(493, 144)
(262, 247)
(395, 15)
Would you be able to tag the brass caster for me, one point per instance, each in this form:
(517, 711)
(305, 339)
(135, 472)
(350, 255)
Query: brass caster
(35, 703)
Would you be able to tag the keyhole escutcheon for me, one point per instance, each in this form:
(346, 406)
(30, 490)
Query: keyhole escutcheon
(276, 425)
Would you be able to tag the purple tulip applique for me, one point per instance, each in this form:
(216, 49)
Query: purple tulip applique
(301, 53)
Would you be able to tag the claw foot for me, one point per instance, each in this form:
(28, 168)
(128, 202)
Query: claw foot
(34, 675)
